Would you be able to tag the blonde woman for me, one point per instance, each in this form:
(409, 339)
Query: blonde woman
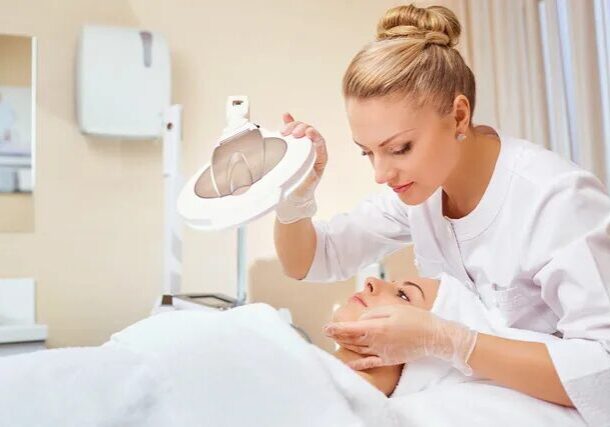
(526, 230)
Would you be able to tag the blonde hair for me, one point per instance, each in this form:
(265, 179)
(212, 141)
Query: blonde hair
(413, 56)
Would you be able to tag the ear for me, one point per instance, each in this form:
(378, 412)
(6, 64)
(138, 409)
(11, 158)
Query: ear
(461, 114)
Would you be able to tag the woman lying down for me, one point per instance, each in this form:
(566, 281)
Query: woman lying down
(247, 366)
(416, 291)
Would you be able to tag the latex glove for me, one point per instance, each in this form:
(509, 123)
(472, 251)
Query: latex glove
(301, 203)
(395, 334)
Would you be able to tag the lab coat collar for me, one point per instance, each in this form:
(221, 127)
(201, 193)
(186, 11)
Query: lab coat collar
(491, 203)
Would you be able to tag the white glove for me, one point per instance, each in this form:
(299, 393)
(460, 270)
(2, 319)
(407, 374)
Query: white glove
(301, 202)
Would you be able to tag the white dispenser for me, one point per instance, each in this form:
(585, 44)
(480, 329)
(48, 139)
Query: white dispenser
(123, 82)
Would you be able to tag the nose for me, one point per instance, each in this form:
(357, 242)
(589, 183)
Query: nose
(383, 171)
(372, 285)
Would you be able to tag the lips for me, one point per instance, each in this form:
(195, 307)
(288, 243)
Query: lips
(402, 189)
(401, 186)
(358, 299)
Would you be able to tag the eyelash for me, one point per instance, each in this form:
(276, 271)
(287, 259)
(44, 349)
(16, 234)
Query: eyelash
(400, 294)
(403, 150)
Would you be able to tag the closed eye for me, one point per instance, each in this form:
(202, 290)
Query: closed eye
(403, 150)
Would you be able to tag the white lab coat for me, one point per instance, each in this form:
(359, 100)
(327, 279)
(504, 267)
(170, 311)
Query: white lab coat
(536, 249)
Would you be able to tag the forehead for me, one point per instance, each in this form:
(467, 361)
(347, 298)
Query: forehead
(374, 120)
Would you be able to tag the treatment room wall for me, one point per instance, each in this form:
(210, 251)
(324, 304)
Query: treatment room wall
(96, 250)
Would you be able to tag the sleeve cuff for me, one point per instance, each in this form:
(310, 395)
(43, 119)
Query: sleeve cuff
(317, 271)
(583, 367)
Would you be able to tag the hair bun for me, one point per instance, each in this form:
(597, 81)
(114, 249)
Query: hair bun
(434, 25)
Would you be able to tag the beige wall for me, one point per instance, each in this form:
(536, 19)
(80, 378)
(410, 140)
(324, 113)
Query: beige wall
(16, 213)
(16, 210)
(96, 252)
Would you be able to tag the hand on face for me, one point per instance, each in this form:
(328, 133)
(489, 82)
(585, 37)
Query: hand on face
(389, 331)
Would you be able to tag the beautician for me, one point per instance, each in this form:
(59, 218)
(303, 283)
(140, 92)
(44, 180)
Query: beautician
(525, 230)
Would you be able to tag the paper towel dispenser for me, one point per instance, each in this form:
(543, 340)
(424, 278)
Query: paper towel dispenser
(123, 82)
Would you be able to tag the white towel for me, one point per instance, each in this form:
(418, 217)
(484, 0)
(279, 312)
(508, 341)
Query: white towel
(245, 366)
(82, 386)
(456, 302)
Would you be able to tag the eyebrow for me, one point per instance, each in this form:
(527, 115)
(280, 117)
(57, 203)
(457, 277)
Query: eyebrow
(407, 283)
(387, 140)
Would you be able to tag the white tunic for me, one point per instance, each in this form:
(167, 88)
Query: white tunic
(536, 249)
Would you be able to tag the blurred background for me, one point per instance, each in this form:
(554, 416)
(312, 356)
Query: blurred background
(81, 217)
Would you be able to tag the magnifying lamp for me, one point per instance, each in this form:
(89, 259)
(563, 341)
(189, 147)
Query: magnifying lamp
(250, 172)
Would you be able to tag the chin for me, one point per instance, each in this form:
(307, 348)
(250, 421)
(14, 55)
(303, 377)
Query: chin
(412, 200)
(415, 196)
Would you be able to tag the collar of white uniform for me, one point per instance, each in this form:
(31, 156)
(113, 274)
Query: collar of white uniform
(483, 215)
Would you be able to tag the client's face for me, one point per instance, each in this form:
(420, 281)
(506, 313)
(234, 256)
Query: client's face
(416, 291)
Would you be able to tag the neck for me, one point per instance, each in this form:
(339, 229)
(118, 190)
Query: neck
(466, 185)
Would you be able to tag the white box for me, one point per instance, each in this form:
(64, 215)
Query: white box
(18, 317)
(17, 301)
(123, 82)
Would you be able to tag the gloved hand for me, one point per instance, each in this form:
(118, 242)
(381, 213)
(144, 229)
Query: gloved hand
(301, 202)
(395, 334)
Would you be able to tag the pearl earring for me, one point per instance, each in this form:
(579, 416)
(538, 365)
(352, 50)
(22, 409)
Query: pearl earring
(461, 137)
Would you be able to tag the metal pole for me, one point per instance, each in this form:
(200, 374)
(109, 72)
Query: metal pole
(172, 230)
(241, 265)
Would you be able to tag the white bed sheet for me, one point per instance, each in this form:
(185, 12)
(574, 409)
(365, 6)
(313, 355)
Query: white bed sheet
(244, 367)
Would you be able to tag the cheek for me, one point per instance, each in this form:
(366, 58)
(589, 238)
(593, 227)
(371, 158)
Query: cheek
(437, 161)
(347, 313)
(432, 170)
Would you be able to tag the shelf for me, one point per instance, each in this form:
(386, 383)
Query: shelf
(22, 333)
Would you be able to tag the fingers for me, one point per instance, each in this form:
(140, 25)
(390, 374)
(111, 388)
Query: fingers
(287, 118)
(379, 312)
(354, 329)
(299, 130)
(360, 341)
(362, 349)
(366, 363)
(342, 330)
(313, 134)
(290, 127)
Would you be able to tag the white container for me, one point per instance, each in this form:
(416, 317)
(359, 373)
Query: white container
(123, 82)
(19, 331)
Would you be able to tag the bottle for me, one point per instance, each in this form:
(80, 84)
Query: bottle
(167, 304)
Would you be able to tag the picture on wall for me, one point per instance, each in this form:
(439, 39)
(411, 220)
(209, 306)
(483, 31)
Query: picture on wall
(15, 121)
